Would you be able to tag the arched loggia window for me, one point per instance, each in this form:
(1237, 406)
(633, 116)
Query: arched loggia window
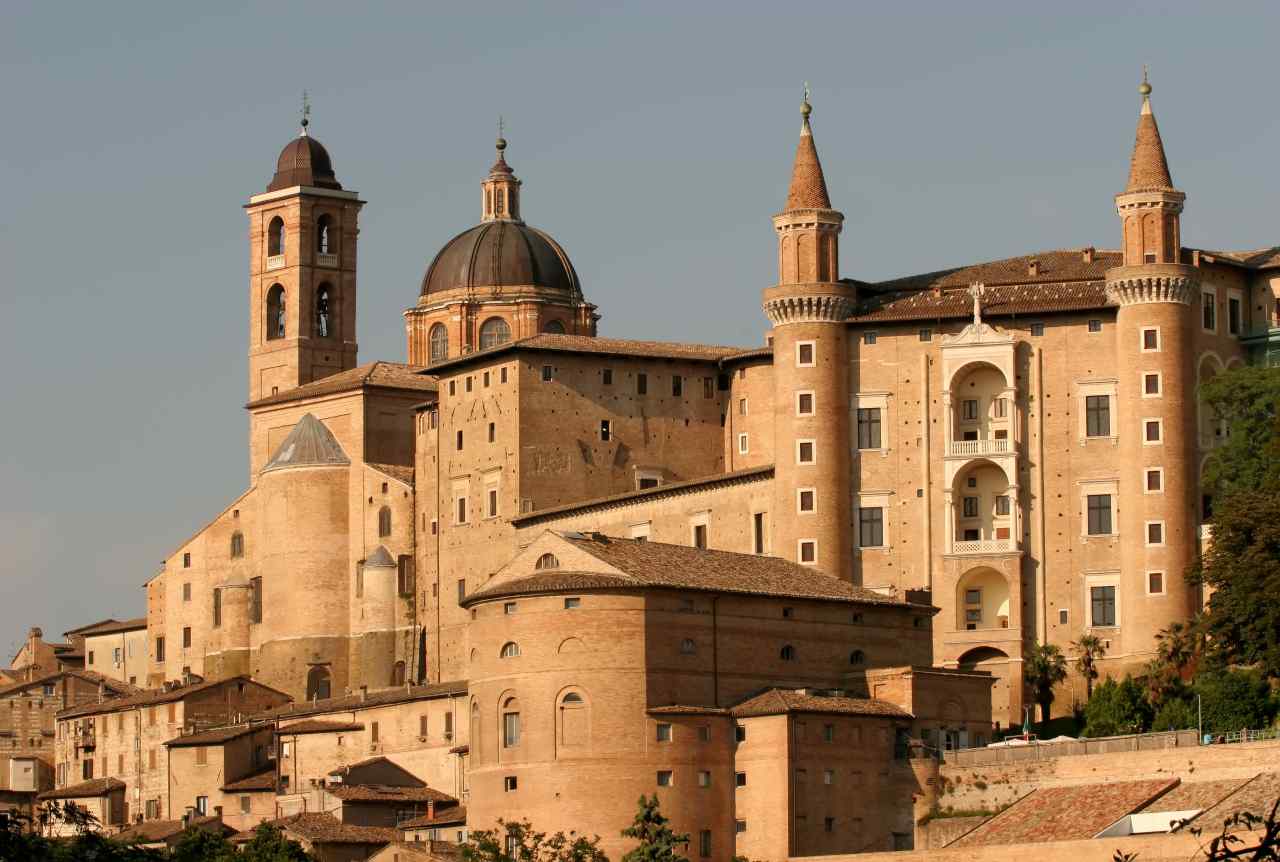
(318, 683)
(324, 313)
(275, 237)
(438, 342)
(493, 332)
(275, 312)
(554, 327)
(324, 235)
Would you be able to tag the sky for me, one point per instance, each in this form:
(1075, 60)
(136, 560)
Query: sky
(654, 140)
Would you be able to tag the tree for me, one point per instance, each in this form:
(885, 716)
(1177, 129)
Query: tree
(1116, 708)
(202, 845)
(1044, 666)
(1232, 700)
(1175, 714)
(1248, 458)
(519, 842)
(269, 844)
(1091, 648)
(658, 843)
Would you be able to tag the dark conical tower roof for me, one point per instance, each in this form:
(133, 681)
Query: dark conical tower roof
(309, 444)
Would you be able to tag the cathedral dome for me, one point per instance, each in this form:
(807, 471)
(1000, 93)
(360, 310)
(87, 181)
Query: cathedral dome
(501, 253)
(304, 162)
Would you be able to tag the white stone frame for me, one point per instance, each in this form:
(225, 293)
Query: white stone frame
(1147, 491)
(813, 345)
(460, 489)
(492, 482)
(1146, 583)
(1102, 579)
(1146, 535)
(799, 509)
(1160, 425)
(874, 500)
(643, 473)
(872, 400)
(700, 518)
(1208, 290)
(640, 530)
(813, 402)
(814, 444)
(1087, 388)
(1095, 487)
(1142, 384)
(743, 444)
(1142, 330)
(800, 543)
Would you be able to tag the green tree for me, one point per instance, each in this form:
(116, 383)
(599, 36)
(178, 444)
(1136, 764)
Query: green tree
(657, 842)
(1044, 666)
(269, 844)
(202, 845)
(1175, 714)
(518, 841)
(1248, 458)
(1090, 649)
(1232, 700)
(1117, 708)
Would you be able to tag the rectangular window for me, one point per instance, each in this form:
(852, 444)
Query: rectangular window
(1097, 416)
(422, 725)
(740, 735)
(870, 527)
(571, 603)
(453, 387)
(160, 649)
(1095, 325)
(606, 376)
(926, 335)
(1233, 315)
(742, 444)
(1099, 509)
(700, 536)
(202, 755)
(510, 729)
(642, 383)
(1155, 480)
(462, 589)
(970, 507)
(757, 532)
(1151, 383)
(1209, 304)
(459, 441)
(1002, 504)
(869, 337)
(186, 592)
(804, 452)
(704, 778)
(492, 498)
(186, 560)
(502, 374)
(868, 427)
(739, 826)
(486, 380)
(828, 735)
(186, 637)
(804, 403)
(1062, 616)
(373, 732)
(1037, 329)
(492, 432)
(708, 387)
(547, 372)
(1155, 533)
(405, 575)
(742, 407)
(969, 410)
(664, 732)
(462, 510)
(665, 778)
(804, 353)
(510, 783)
(217, 608)
(806, 499)
(1000, 408)
(808, 551)
(704, 843)
(1150, 340)
(677, 385)
(244, 804)
(740, 779)
(1102, 601)
(1155, 583)
(509, 608)
(1151, 433)
(828, 824)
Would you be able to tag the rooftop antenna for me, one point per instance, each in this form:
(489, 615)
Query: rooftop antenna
(306, 112)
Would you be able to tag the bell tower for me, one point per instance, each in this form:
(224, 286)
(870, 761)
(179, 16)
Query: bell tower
(302, 271)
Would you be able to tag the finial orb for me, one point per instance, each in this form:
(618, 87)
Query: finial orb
(1144, 88)
(805, 109)
(501, 144)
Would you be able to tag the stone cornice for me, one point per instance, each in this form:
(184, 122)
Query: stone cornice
(816, 303)
(1167, 282)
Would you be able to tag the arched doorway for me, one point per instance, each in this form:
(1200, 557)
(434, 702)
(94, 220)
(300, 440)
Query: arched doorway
(319, 683)
(996, 662)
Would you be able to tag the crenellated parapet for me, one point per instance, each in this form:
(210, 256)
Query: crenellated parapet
(1148, 283)
(791, 306)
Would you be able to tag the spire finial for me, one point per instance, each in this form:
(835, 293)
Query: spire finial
(1145, 87)
(502, 142)
(805, 108)
(306, 112)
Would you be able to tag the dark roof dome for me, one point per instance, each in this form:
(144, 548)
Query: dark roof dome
(501, 253)
(304, 162)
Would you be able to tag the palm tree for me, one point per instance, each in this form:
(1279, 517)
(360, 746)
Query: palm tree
(1091, 648)
(1043, 667)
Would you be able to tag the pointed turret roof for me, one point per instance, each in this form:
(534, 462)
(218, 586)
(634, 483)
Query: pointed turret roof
(380, 557)
(808, 189)
(1148, 169)
(309, 444)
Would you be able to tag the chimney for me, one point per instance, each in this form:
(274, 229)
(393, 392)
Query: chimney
(431, 808)
(1087, 254)
(1033, 268)
(364, 693)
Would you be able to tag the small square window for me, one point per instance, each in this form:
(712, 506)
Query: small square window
(807, 500)
(926, 335)
(664, 732)
(808, 551)
(869, 337)
(742, 444)
(571, 603)
(1151, 384)
(804, 353)
(1155, 480)
(1152, 431)
(665, 778)
(1155, 583)
(1062, 616)
(740, 779)
(804, 452)
(1155, 533)
(739, 826)
(509, 608)
(547, 372)
(704, 733)
(1150, 340)
(1095, 325)
(510, 783)
(804, 404)
(788, 613)
(704, 778)
(1037, 329)
(606, 376)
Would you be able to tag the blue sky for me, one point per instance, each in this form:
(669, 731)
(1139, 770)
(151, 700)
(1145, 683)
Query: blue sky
(654, 140)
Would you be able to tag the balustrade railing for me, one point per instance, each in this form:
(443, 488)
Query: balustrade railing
(975, 448)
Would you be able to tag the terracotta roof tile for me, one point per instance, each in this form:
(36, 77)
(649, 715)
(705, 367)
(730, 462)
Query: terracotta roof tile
(112, 626)
(395, 471)
(264, 780)
(85, 789)
(326, 829)
(430, 850)
(152, 696)
(778, 701)
(1065, 813)
(1197, 794)
(1148, 169)
(216, 736)
(808, 189)
(153, 831)
(112, 686)
(373, 375)
(317, 725)
(595, 345)
(386, 793)
(1256, 797)
(90, 626)
(350, 702)
(660, 565)
(682, 709)
(446, 816)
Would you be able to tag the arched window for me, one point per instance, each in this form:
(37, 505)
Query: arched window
(275, 312)
(547, 561)
(575, 725)
(438, 342)
(324, 315)
(275, 237)
(384, 522)
(237, 545)
(397, 673)
(501, 198)
(493, 332)
(571, 699)
(857, 658)
(510, 723)
(324, 235)
(510, 649)
(318, 683)
(788, 653)
(475, 740)
(555, 327)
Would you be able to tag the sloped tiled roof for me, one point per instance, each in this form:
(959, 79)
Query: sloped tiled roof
(808, 189)
(657, 564)
(262, 780)
(309, 444)
(153, 696)
(778, 701)
(427, 850)
(395, 471)
(386, 793)
(327, 829)
(216, 736)
(153, 831)
(600, 346)
(444, 816)
(316, 725)
(373, 375)
(90, 626)
(350, 702)
(111, 686)
(1197, 794)
(1148, 168)
(380, 557)
(85, 789)
(1065, 813)
(682, 709)
(1255, 796)
(110, 627)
